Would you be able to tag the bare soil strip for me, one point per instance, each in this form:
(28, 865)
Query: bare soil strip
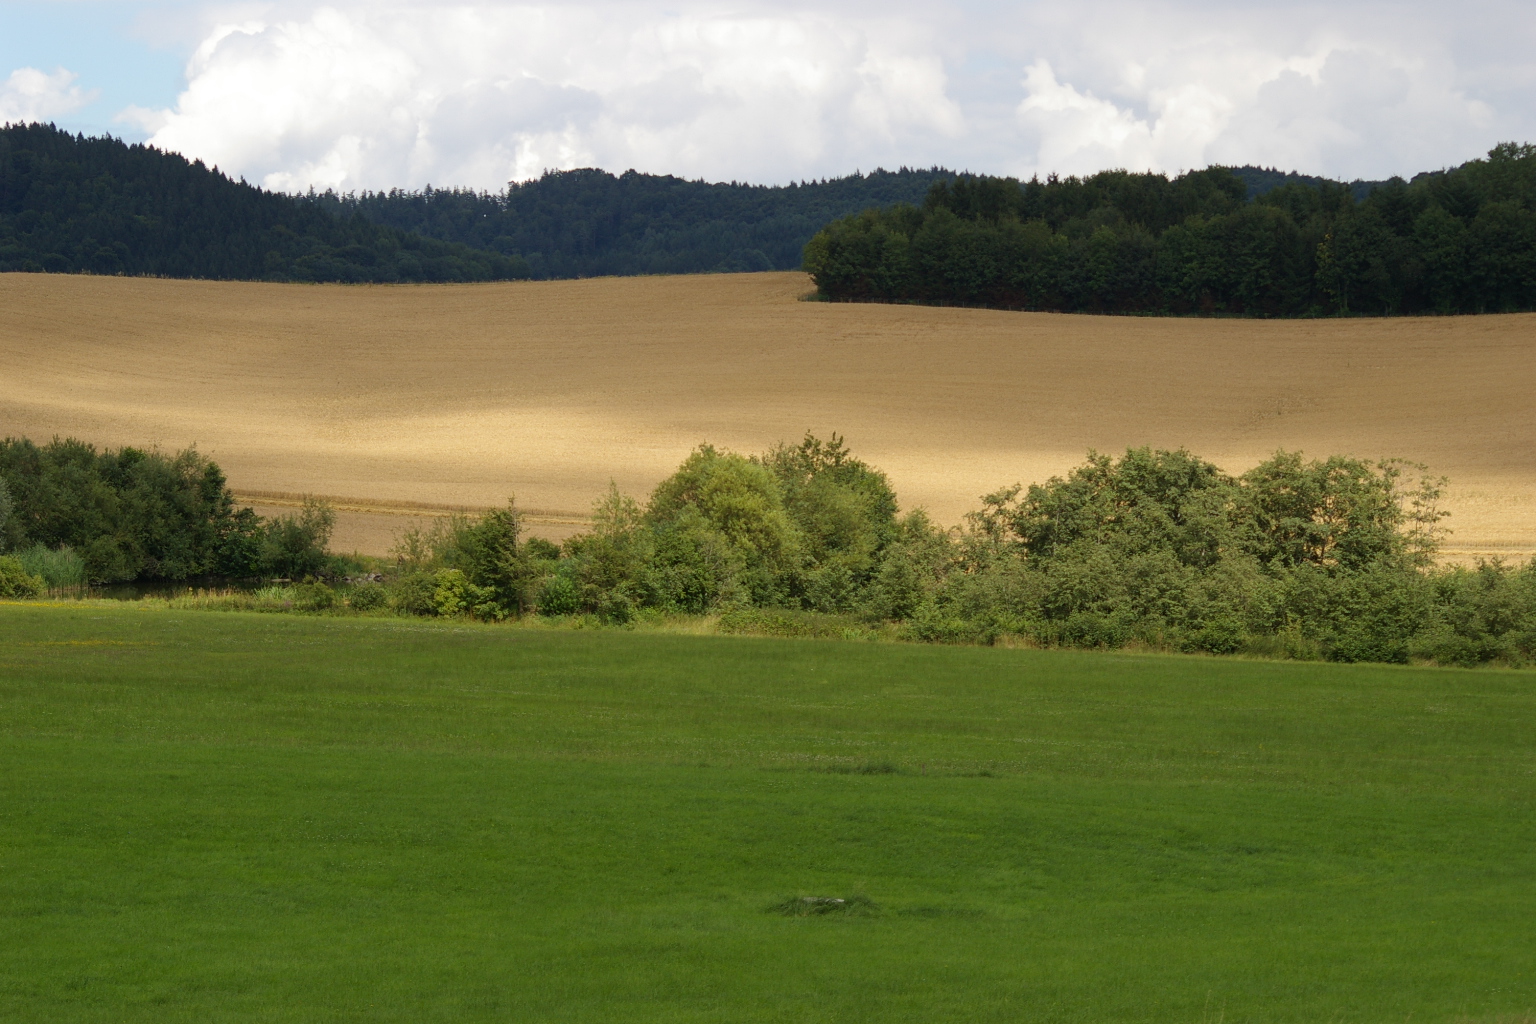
(415, 401)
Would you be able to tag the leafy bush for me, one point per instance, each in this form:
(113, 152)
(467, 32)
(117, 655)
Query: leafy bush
(454, 594)
(845, 512)
(537, 549)
(722, 530)
(415, 593)
(293, 546)
(616, 608)
(313, 597)
(1323, 558)
(367, 597)
(496, 575)
(16, 582)
(1306, 559)
(897, 590)
(129, 514)
(560, 595)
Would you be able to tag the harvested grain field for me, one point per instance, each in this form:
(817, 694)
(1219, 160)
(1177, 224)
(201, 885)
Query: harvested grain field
(401, 401)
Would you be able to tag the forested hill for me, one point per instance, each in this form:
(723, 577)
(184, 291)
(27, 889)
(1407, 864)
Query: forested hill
(1456, 241)
(70, 203)
(1261, 180)
(1246, 240)
(589, 222)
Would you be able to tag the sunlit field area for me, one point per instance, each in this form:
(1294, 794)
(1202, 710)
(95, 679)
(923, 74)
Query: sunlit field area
(399, 397)
(224, 816)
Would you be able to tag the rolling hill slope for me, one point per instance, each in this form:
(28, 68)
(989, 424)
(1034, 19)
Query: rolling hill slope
(462, 395)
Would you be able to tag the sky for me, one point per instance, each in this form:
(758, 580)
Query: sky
(389, 94)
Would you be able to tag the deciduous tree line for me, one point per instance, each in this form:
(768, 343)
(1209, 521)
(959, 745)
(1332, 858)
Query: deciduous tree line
(127, 514)
(1330, 558)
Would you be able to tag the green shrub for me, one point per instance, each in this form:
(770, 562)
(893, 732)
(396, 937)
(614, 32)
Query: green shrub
(1289, 642)
(367, 597)
(495, 572)
(540, 550)
(616, 608)
(845, 512)
(693, 567)
(313, 597)
(16, 582)
(898, 587)
(293, 546)
(454, 594)
(560, 595)
(932, 624)
(1221, 635)
(127, 513)
(723, 530)
(1520, 645)
(1443, 645)
(1092, 629)
(415, 593)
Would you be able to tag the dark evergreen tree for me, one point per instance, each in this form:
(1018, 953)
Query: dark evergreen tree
(587, 223)
(1457, 241)
(70, 203)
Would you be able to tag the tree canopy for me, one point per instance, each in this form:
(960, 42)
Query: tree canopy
(588, 222)
(70, 203)
(131, 513)
(1211, 241)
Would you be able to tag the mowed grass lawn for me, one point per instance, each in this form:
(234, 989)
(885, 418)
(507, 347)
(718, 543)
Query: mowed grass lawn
(220, 817)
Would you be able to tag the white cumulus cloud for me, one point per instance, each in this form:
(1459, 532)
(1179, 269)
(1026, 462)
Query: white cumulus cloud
(32, 95)
(371, 97)
(406, 92)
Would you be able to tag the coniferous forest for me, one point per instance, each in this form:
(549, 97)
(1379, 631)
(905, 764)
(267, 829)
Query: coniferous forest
(71, 204)
(589, 223)
(1246, 241)
(1456, 241)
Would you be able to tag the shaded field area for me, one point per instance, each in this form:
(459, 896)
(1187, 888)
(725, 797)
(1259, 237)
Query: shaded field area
(462, 395)
(233, 817)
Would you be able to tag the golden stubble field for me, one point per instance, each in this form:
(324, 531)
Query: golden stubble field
(406, 396)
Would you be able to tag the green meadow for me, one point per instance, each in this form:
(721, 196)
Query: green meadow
(238, 817)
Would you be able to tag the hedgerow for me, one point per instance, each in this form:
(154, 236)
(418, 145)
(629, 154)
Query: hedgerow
(1331, 558)
(76, 514)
